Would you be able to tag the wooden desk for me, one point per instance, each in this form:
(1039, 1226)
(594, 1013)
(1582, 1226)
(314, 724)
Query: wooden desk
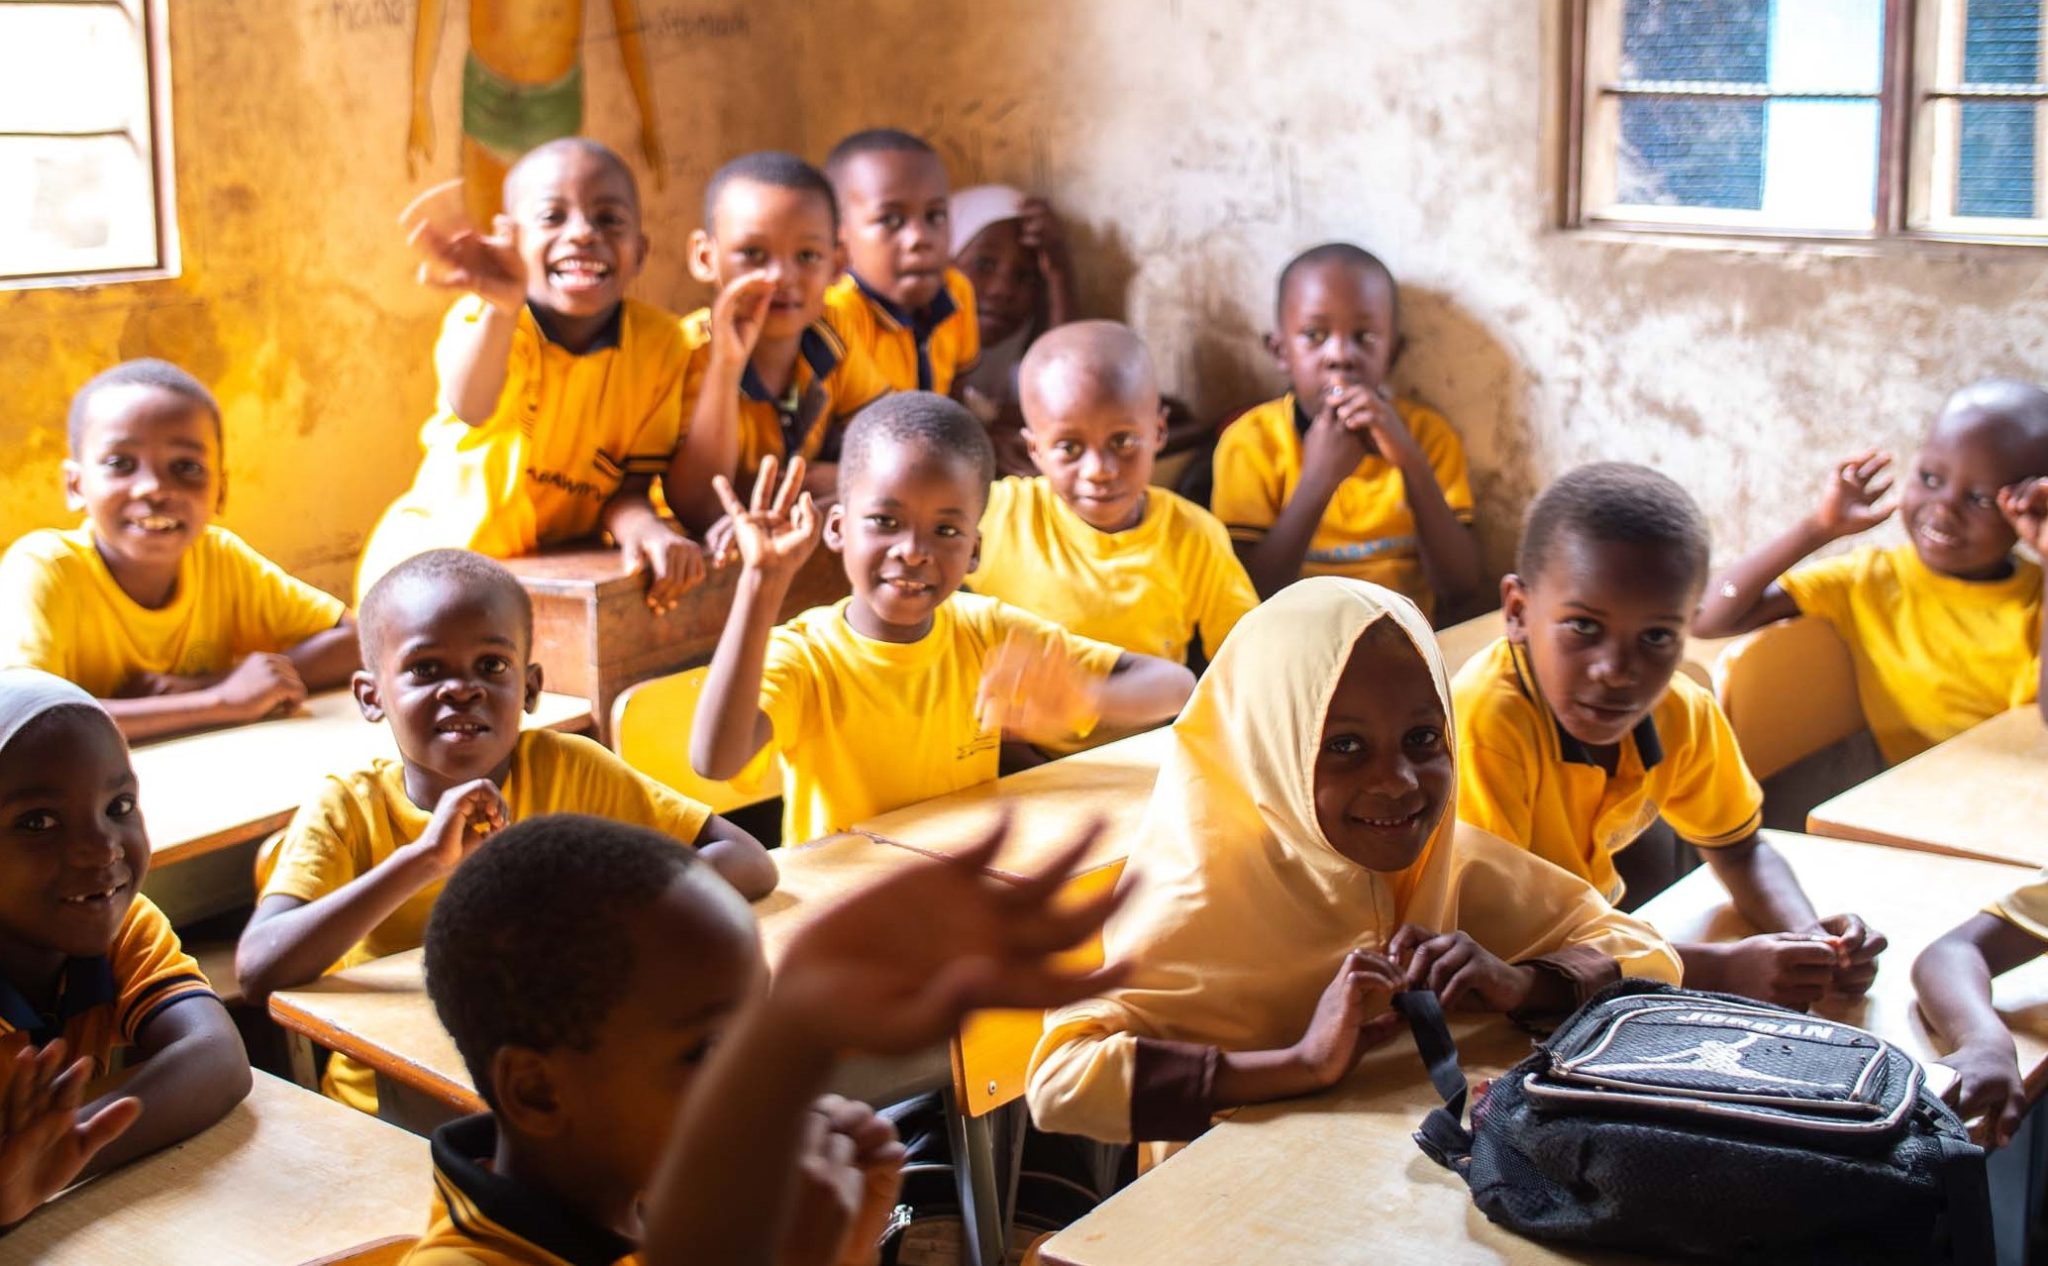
(1984, 793)
(286, 1177)
(1461, 642)
(594, 636)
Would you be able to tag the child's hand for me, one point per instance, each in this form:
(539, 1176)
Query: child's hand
(737, 317)
(1858, 945)
(458, 257)
(878, 1155)
(774, 534)
(1459, 970)
(465, 816)
(1040, 233)
(1849, 503)
(1792, 969)
(262, 685)
(43, 1144)
(673, 562)
(719, 548)
(828, 1197)
(2025, 506)
(1035, 693)
(1988, 1084)
(1331, 449)
(158, 685)
(1338, 1034)
(1369, 413)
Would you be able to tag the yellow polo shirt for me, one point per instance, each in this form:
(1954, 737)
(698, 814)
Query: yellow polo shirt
(1524, 778)
(356, 821)
(1934, 655)
(1368, 531)
(480, 1217)
(567, 431)
(914, 351)
(62, 611)
(832, 382)
(863, 727)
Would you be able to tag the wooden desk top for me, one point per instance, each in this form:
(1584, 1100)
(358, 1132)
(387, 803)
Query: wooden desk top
(208, 791)
(1984, 793)
(286, 1177)
(1913, 898)
(1460, 642)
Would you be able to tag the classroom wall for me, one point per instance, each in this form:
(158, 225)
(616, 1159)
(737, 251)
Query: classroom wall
(1196, 144)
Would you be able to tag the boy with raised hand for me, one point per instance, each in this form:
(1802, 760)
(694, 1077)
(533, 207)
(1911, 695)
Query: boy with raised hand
(170, 620)
(1338, 478)
(560, 398)
(906, 689)
(1946, 630)
(447, 637)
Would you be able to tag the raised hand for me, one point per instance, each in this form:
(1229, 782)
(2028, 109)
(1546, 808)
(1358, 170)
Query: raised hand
(457, 256)
(2025, 506)
(1034, 693)
(776, 532)
(737, 317)
(1339, 1033)
(1040, 233)
(43, 1144)
(1849, 501)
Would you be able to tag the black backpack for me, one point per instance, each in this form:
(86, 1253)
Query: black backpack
(1709, 1126)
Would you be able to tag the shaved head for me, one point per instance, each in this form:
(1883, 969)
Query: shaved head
(1085, 364)
(546, 157)
(2005, 413)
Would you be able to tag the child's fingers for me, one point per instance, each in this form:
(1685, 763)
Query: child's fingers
(429, 198)
(1405, 939)
(106, 1125)
(792, 487)
(805, 517)
(1040, 887)
(721, 487)
(764, 484)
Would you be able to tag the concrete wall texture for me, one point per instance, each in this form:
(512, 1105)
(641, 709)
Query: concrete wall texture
(1193, 146)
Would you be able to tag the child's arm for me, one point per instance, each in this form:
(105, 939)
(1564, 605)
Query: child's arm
(713, 445)
(1799, 956)
(46, 1140)
(2025, 506)
(1337, 1037)
(1953, 978)
(473, 357)
(1038, 695)
(328, 658)
(260, 686)
(1329, 453)
(1040, 234)
(774, 537)
(1450, 555)
(289, 941)
(1747, 596)
(738, 857)
(193, 1071)
(672, 561)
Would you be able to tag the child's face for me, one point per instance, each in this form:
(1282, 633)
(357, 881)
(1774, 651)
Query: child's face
(785, 233)
(1336, 330)
(907, 525)
(895, 229)
(1006, 279)
(147, 473)
(72, 849)
(577, 227)
(1950, 499)
(1604, 626)
(452, 677)
(1384, 768)
(1095, 450)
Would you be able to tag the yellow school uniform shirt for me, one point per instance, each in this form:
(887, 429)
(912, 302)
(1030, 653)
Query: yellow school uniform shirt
(1524, 778)
(1147, 589)
(567, 431)
(62, 611)
(831, 382)
(1934, 655)
(914, 351)
(1367, 532)
(480, 1217)
(356, 821)
(106, 1002)
(863, 727)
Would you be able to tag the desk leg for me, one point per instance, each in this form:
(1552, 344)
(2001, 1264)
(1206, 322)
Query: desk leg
(982, 1222)
(298, 1053)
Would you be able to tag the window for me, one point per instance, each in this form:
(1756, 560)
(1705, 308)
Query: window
(84, 142)
(1809, 118)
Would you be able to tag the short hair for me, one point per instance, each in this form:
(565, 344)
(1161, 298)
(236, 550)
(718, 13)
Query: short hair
(929, 422)
(875, 140)
(569, 144)
(146, 372)
(528, 943)
(777, 170)
(1342, 253)
(1613, 501)
(447, 572)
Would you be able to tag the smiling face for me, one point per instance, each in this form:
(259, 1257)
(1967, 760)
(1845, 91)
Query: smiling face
(1384, 770)
(1336, 330)
(785, 233)
(895, 228)
(147, 475)
(1604, 626)
(907, 524)
(1093, 440)
(576, 223)
(1007, 284)
(73, 852)
(1949, 501)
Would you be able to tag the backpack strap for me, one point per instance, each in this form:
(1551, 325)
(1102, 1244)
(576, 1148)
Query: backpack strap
(1443, 1136)
(1966, 1190)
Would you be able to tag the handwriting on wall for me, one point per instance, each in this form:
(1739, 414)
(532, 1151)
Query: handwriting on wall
(368, 15)
(683, 24)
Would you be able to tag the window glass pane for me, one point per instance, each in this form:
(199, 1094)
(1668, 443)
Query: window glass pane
(75, 205)
(68, 68)
(1677, 153)
(1996, 149)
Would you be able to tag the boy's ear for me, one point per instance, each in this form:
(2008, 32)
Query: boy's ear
(528, 1099)
(1272, 342)
(1514, 608)
(835, 528)
(703, 259)
(532, 687)
(1159, 431)
(1400, 345)
(646, 249)
(220, 495)
(363, 686)
(74, 497)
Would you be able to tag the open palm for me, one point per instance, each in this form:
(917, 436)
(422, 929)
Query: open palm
(779, 527)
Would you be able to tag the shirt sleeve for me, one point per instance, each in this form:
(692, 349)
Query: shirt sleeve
(1446, 454)
(787, 687)
(1714, 800)
(277, 610)
(1247, 495)
(2025, 907)
(610, 788)
(1226, 593)
(151, 970)
(1082, 1078)
(31, 600)
(1822, 588)
(318, 852)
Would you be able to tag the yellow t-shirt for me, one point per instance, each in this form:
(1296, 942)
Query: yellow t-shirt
(104, 1003)
(356, 821)
(1368, 531)
(1934, 655)
(480, 1217)
(832, 381)
(62, 611)
(2025, 907)
(1524, 778)
(863, 727)
(1147, 589)
(567, 431)
(921, 351)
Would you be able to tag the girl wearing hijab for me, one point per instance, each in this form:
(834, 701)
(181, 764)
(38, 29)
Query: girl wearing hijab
(1302, 860)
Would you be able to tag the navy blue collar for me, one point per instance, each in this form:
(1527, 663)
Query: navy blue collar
(83, 983)
(461, 1148)
(608, 337)
(1648, 745)
(920, 324)
(819, 349)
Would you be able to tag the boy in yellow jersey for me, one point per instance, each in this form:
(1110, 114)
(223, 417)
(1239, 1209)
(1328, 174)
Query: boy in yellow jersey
(447, 635)
(1575, 735)
(767, 366)
(900, 300)
(560, 398)
(171, 622)
(906, 689)
(1088, 544)
(87, 964)
(1946, 630)
(1953, 979)
(1337, 478)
